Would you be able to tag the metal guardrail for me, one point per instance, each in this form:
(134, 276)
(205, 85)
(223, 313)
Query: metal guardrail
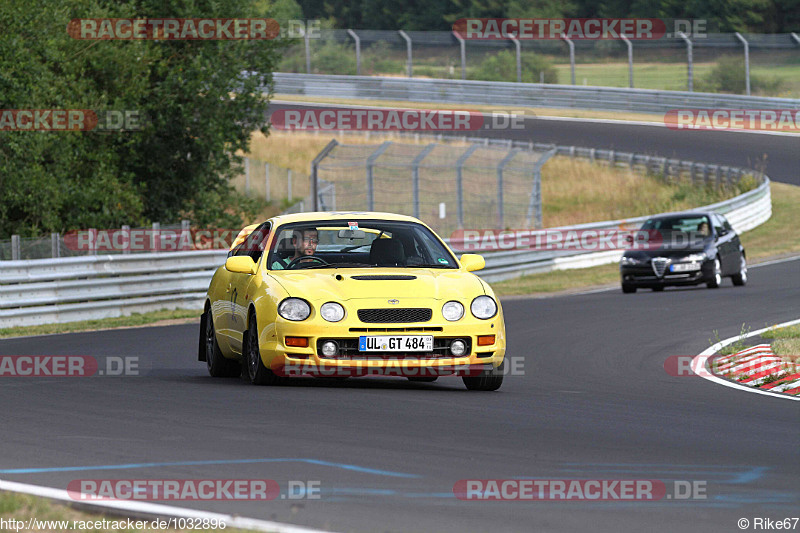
(81, 288)
(513, 95)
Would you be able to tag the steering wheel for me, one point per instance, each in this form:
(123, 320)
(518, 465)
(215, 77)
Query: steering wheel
(302, 258)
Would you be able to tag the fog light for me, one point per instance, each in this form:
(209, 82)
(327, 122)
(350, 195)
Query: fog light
(458, 347)
(329, 348)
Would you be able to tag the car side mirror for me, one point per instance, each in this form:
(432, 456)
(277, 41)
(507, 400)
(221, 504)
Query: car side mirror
(241, 264)
(472, 262)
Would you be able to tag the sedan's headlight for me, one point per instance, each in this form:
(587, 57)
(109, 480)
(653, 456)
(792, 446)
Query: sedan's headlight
(452, 311)
(626, 260)
(294, 309)
(696, 257)
(483, 307)
(332, 312)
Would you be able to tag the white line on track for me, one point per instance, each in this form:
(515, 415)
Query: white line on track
(154, 510)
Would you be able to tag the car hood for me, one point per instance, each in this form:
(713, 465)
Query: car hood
(343, 284)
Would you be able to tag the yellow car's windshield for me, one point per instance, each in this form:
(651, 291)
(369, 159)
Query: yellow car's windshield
(365, 243)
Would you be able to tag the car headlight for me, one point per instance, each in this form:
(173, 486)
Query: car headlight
(294, 309)
(630, 260)
(332, 312)
(452, 311)
(483, 307)
(696, 257)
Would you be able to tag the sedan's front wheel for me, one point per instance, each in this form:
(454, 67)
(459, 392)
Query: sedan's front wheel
(740, 278)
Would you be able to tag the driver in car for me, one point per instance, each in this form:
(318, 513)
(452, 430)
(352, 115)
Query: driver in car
(304, 243)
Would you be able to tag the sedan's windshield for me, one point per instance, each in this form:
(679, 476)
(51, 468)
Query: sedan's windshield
(698, 224)
(357, 244)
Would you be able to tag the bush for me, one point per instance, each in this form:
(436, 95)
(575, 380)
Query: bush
(728, 76)
(503, 67)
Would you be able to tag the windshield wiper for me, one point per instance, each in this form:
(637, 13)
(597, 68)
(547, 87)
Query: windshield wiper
(339, 265)
(429, 266)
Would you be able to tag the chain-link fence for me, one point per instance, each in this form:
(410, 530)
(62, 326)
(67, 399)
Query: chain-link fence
(449, 186)
(271, 182)
(716, 61)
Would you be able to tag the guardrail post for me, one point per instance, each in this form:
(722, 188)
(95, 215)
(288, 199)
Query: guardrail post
(796, 37)
(665, 170)
(746, 62)
(462, 44)
(315, 172)
(370, 177)
(308, 52)
(415, 174)
(55, 245)
(16, 249)
(500, 168)
(352, 34)
(126, 235)
(571, 57)
(689, 61)
(405, 36)
(630, 60)
(519, 59)
(460, 182)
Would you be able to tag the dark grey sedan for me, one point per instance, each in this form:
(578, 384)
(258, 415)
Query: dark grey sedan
(684, 249)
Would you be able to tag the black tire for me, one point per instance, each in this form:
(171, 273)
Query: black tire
(489, 380)
(658, 289)
(423, 379)
(218, 365)
(628, 288)
(716, 276)
(740, 279)
(256, 371)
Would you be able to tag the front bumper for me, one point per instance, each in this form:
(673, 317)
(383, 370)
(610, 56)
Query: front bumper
(292, 360)
(644, 276)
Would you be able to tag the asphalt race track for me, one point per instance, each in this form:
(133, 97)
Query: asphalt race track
(593, 402)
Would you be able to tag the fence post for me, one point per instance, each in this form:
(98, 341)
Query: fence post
(93, 233)
(370, 164)
(266, 181)
(352, 34)
(308, 53)
(519, 59)
(155, 237)
(315, 172)
(535, 201)
(630, 59)
(463, 47)
(571, 57)
(500, 167)
(126, 232)
(460, 182)
(415, 175)
(55, 245)
(689, 61)
(186, 236)
(289, 194)
(405, 36)
(16, 248)
(746, 62)
(247, 175)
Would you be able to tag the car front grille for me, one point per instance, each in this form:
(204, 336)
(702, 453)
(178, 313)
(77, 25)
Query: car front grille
(348, 350)
(659, 265)
(383, 316)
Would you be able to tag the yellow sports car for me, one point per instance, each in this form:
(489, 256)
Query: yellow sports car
(351, 294)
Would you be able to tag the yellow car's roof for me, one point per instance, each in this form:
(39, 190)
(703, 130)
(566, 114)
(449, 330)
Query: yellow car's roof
(344, 216)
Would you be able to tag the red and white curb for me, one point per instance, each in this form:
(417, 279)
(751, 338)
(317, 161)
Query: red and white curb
(702, 364)
(152, 510)
(759, 367)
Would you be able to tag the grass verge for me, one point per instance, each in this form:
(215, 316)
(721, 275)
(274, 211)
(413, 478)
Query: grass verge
(22, 507)
(156, 318)
(785, 342)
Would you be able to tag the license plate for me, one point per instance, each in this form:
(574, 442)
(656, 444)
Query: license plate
(396, 343)
(684, 267)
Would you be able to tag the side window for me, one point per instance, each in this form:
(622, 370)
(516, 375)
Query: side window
(725, 223)
(254, 244)
(718, 226)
